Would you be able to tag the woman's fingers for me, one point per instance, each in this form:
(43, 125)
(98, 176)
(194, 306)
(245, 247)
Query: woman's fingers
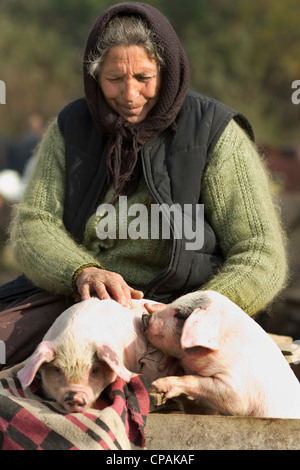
(136, 294)
(105, 284)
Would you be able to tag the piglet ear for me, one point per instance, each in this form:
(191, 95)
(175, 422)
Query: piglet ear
(43, 353)
(106, 353)
(202, 328)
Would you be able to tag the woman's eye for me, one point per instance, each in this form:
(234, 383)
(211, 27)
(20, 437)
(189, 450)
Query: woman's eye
(144, 79)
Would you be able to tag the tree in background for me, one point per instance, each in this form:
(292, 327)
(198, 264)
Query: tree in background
(245, 54)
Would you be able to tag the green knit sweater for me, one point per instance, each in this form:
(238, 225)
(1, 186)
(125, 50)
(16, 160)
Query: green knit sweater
(237, 202)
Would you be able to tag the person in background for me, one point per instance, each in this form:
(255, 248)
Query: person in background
(21, 149)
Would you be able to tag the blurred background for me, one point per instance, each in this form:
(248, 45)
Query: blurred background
(245, 54)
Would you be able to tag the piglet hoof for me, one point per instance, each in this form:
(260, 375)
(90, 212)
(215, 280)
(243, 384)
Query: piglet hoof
(157, 397)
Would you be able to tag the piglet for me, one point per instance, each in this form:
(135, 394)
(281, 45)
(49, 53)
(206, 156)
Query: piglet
(86, 348)
(229, 361)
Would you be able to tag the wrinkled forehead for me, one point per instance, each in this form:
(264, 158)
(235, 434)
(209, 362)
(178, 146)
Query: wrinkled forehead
(133, 60)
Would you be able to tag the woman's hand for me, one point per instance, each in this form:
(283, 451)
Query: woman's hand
(105, 285)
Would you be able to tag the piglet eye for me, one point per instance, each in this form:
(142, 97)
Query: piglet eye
(180, 315)
(95, 370)
(54, 369)
(183, 314)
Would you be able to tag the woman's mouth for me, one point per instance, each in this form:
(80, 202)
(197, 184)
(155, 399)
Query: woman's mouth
(131, 109)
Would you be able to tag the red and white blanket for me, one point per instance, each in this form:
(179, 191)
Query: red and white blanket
(29, 422)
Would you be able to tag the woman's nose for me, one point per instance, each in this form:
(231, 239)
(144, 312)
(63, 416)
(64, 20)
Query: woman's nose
(131, 90)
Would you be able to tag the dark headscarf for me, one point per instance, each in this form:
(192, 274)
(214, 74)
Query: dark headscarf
(125, 138)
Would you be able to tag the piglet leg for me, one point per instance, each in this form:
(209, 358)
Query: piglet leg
(218, 394)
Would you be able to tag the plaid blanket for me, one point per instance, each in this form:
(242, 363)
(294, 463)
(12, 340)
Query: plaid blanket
(29, 422)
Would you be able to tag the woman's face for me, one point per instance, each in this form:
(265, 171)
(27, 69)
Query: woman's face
(130, 82)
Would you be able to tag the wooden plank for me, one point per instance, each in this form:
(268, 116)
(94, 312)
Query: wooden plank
(202, 432)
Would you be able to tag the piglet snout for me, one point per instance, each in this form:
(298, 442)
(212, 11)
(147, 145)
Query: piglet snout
(145, 320)
(73, 402)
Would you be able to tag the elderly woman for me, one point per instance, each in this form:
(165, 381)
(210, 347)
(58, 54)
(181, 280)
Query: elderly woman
(139, 132)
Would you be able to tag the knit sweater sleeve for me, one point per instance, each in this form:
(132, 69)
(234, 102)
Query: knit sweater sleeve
(40, 243)
(237, 201)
